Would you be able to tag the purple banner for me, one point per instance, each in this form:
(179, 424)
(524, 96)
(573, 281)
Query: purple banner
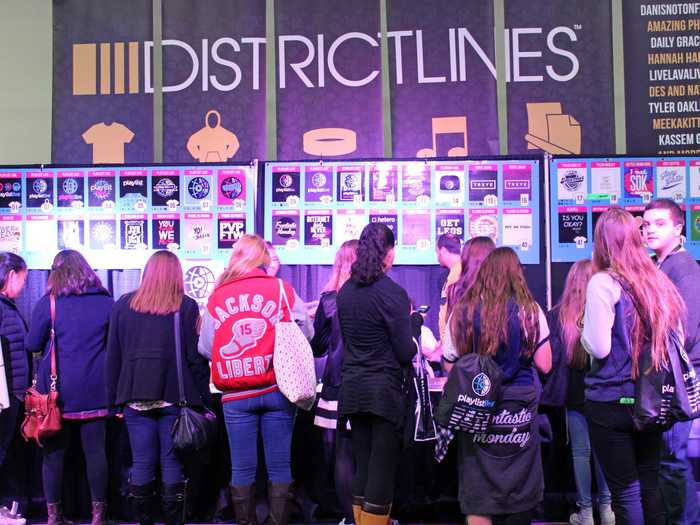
(329, 100)
(559, 75)
(213, 80)
(102, 90)
(662, 76)
(443, 78)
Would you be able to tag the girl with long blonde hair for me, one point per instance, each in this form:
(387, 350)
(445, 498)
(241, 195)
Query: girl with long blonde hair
(630, 308)
(328, 342)
(572, 362)
(238, 336)
(500, 472)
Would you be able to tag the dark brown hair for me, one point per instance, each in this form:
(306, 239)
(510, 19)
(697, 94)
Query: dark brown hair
(675, 211)
(499, 280)
(71, 275)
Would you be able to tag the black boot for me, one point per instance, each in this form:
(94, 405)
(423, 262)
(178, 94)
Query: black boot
(243, 497)
(173, 497)
(54, 512)
(143, 497)
(279, 496)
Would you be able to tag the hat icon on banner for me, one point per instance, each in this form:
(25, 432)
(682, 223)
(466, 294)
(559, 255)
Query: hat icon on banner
(213, 143)
(550, 130)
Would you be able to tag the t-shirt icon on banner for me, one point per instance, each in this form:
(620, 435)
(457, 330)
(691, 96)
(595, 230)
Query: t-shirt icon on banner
(580, 242)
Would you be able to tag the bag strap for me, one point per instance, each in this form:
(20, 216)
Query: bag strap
(52, 345)
(283, 295)
(178, 359)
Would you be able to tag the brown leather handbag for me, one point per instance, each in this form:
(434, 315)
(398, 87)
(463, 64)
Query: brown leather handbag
(42, 415)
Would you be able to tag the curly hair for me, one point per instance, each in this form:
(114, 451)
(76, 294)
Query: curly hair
(375, 242)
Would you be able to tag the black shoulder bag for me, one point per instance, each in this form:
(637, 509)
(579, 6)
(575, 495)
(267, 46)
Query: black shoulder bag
(195, 427)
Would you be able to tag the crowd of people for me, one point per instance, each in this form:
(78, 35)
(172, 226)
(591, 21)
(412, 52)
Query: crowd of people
(117, 361)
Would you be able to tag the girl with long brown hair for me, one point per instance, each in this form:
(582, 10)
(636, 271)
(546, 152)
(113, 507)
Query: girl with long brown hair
(501, 471)
(630, 307)
(572, 362)
(328, 341)
(142, 381)
(474, 252)
(82, 313)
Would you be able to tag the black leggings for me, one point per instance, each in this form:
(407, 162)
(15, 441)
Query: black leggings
(92, 436)
(376, 444)
(337, 451)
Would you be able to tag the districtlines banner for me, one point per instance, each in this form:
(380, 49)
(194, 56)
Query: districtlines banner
(329, 99)
(443, 78)
(559, 76)
(662, 76)
(213, 80)
(102, 87)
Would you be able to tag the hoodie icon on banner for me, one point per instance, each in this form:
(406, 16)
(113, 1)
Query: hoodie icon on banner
(107, 142)
(213, 143)
(550, 130)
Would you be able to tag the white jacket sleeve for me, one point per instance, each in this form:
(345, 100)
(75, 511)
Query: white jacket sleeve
(602, 293)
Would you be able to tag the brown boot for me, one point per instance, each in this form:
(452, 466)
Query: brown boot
(357, 509)
(375, 514)
(55, 515)
(243, 497)
(279, 497)
(99, 513)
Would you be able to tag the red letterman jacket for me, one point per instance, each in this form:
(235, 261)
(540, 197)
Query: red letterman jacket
(244, 313)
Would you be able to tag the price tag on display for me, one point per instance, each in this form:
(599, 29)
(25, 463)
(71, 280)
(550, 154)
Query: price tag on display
(140, 205)
(141, 246)
(15, 206)
(390, 199)
(423, 200)
(580, 198)
(46, 207)
(325, 242)
(206, 248)
(580, 242)
(173, 246)
(678, 197)
(77, 204)
(108, 205)
(293, 201)
(423, 244)
(524, 199)
(524, 246)
(456, 200)
(357, 201)
(646, 197)
(205, 205)
(172, 204)
(239, 203)
(292, 244)
(326, 199)
(613, 198)
(490, 200)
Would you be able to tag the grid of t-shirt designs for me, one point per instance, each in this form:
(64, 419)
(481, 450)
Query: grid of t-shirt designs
(583, 188)
(118, 216)
(311, 208)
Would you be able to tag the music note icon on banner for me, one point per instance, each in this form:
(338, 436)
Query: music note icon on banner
(444, 126)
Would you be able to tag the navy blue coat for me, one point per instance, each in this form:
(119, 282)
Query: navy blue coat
(82, 324)
(13, 329)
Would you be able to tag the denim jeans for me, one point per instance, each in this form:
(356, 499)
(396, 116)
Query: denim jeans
(91, 433)
(149, 435)
(630, 462)
(676, 480)
(581, 453)
(274, 414)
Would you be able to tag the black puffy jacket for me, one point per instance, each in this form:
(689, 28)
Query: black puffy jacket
(13, 329)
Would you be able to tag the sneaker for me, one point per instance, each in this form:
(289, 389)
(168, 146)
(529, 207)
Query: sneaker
(583, 517)
(607, 516)
(11, 516)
